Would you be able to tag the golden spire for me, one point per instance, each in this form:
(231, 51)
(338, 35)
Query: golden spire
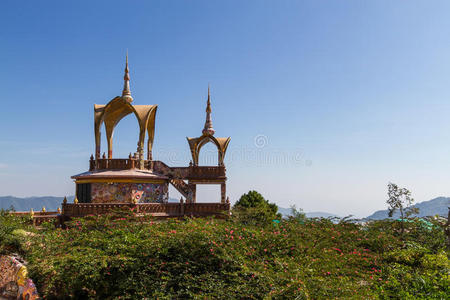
(208, 103)
(208, 129)
(126, 94)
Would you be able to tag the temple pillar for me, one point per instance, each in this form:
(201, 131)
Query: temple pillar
(193, 190)
(149, 155)
(110, 142)
(97, 141)
(223, 192)
(97, 152)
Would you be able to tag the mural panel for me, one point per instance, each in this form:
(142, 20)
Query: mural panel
(130, 192)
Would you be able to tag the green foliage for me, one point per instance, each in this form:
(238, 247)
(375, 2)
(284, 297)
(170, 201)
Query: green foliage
(255, 199)
(400, 199)
(254, 216)
(128, 257)
(13, 232)
(298, 214)
(253, 209)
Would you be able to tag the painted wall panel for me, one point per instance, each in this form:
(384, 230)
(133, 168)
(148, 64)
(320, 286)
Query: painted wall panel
(128, 192)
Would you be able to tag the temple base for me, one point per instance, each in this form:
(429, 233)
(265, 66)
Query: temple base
(160, 210)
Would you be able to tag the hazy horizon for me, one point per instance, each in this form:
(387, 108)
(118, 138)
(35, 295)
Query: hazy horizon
(325, 101)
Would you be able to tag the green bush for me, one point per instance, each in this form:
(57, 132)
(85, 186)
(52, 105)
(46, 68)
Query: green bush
(253, 209)
(13, 232)
(125, 257)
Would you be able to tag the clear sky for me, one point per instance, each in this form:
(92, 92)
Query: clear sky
(325, 101)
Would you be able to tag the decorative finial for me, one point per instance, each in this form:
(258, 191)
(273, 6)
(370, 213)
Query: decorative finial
(75, 201)
(43, 209)
(65, 200)
(31, 212)
(208, 129)
(59, 210)
(208, 103)
(126, 94)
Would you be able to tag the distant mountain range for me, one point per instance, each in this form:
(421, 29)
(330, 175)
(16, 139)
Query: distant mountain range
(437, 206)
(316, 214)
(36, 203)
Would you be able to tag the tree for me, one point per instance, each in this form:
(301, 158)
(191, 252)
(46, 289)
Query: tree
(298, 214)
(255, 199)
(400, 199)
(253, 208)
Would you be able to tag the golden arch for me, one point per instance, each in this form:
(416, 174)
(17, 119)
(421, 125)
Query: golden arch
(195, 144)
(111, 114)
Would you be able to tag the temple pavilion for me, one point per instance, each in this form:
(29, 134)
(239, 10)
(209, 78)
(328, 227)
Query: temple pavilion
(138, 180)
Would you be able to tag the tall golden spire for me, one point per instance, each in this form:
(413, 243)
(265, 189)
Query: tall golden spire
(208, 129)
(126, 94)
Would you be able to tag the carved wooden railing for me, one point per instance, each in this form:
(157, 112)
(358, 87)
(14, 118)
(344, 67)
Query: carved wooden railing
(191, 172)
(206, 172)
(35, 213)
(205, 209)
(84, 209)
(174, 209)
(163, 210)
(156, 209)
(160, 167)
(39, 216)
(185, 173)
(112, 163)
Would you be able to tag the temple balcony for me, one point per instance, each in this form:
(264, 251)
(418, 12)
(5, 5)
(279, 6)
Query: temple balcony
(189, 173)
(112, 164)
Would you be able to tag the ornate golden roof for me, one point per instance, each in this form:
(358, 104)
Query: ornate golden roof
(119, 107)
(195, 144)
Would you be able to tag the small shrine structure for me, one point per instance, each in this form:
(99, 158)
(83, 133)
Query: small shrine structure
(139, 181)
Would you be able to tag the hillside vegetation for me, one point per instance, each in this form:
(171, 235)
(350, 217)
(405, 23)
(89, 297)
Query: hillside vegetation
(122, 256)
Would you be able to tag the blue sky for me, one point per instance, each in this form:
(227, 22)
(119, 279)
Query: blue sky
(325, 101)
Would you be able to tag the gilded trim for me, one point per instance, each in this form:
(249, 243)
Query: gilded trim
(104, 180)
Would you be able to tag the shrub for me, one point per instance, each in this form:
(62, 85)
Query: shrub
(253, 209)
(12, 232)
(123, 256)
